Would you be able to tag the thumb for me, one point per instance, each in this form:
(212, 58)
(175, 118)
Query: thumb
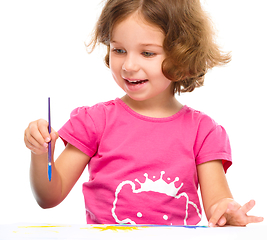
(54, 136)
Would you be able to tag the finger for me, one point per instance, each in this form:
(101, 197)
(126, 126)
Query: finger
(36, 149)
(232, 207)
(254, 219)
(54, 137)
(53, 131)
(28, 143)
(34, 140)
(222, 221)
(33, 137)
(43, 128)
(248, 206)
(218, 213)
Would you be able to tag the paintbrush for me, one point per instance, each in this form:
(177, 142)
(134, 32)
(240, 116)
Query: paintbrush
(49, 144)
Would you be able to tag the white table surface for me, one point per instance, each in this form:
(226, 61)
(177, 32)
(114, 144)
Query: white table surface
(20, 231)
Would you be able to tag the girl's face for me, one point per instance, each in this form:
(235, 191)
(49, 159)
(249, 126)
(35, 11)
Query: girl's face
(136, 55)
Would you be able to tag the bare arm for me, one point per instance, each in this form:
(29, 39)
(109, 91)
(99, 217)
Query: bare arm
(213, 185)
(65, 171)
(219, 205)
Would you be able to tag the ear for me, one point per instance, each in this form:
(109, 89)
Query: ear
(107, 56)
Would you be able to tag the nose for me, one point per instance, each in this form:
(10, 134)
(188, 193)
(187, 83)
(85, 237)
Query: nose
(130, 63)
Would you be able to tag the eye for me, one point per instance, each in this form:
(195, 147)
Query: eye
(118, 51)
(148, 54)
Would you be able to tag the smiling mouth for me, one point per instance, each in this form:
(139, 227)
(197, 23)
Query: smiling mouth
(135, 82)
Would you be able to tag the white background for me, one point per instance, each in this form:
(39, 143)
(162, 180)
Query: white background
(42, 54)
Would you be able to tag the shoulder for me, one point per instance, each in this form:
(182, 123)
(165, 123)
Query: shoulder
(98, 109)
(198, 118)
(211, 140)
(96, 116)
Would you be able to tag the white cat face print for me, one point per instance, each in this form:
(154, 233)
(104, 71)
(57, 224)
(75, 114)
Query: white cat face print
(153, 202)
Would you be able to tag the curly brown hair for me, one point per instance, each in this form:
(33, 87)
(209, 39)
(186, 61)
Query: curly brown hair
(189, 37)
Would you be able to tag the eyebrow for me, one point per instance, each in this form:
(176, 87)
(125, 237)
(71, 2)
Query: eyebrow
(143, 44)
(151, 44)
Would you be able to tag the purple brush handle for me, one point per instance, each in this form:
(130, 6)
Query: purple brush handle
(49, 144)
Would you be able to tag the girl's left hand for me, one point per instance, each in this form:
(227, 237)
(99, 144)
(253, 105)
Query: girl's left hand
(229, 212)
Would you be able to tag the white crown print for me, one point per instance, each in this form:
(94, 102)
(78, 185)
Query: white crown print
(159, 186)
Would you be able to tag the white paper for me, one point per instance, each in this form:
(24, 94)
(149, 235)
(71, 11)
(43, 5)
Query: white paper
(22, 231)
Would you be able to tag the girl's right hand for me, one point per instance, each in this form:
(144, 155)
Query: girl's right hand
(37, 137)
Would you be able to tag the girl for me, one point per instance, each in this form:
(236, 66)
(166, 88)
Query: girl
(146, 152)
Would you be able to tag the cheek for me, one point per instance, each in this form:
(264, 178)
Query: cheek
(155, 72)
(112, 65)
(160, 80)
(115, 68)
(114, 62)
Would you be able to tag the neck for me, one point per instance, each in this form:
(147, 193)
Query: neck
(157, 108)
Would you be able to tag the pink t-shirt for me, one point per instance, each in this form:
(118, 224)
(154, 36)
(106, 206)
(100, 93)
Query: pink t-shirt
(142, 169)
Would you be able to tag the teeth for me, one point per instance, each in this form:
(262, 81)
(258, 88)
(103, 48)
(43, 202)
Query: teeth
(136, 81)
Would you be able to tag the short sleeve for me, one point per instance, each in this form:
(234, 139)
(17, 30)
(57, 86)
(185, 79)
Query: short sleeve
(212, 143)
(81, 131)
